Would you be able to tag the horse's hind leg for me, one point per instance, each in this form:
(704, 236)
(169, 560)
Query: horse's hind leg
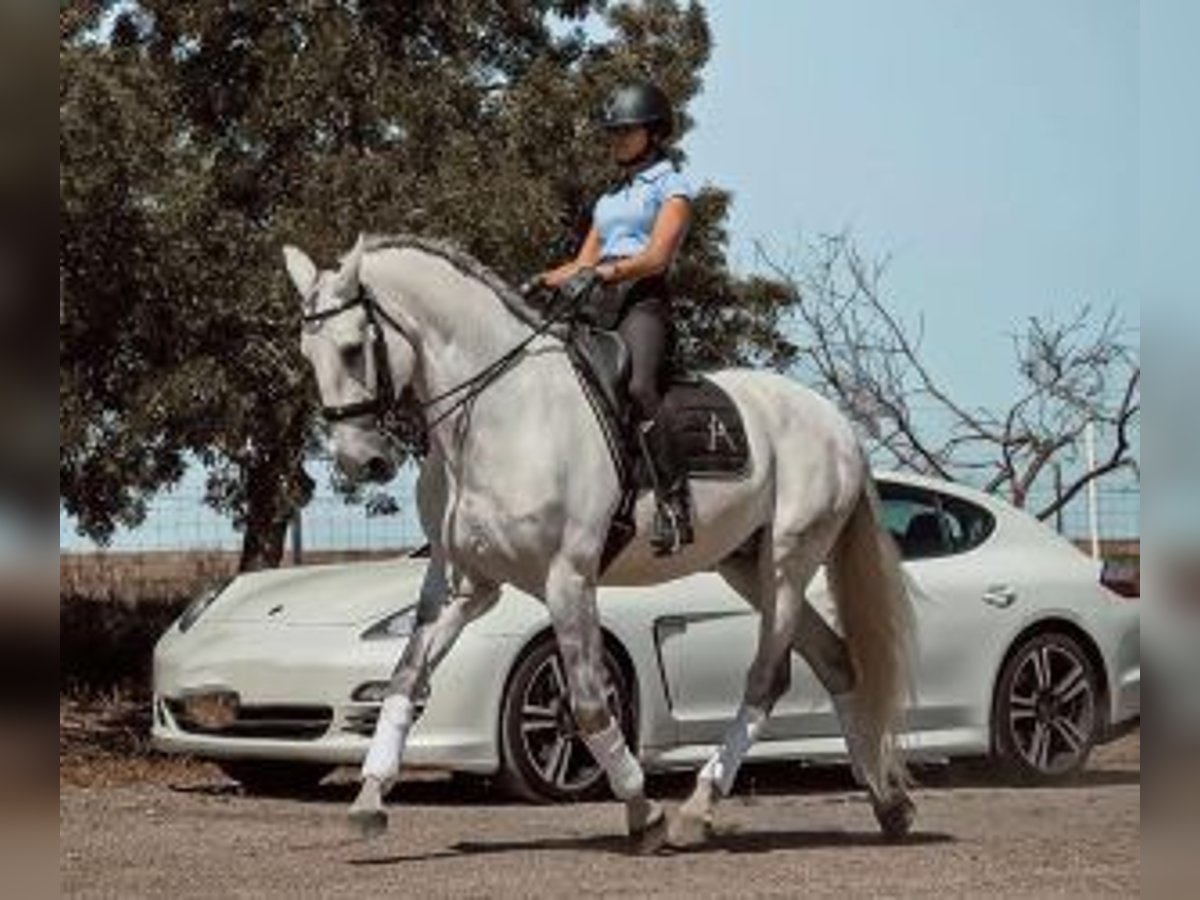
(829, 657)
(438, 626)
(774, 584)
(693, 822)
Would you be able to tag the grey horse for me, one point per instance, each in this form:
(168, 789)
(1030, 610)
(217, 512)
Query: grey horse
(518, 486)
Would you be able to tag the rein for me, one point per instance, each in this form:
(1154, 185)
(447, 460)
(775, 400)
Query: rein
(402, 412)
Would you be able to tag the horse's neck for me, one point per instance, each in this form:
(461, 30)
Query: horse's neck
(457, 322)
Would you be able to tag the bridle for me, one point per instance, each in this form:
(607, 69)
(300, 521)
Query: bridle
(385, 389)
(400, 414)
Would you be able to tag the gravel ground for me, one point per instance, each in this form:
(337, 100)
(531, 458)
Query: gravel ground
(183, 831)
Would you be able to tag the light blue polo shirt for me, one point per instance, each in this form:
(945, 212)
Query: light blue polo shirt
(625, 217)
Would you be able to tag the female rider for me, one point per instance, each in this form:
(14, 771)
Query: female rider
(637, 229)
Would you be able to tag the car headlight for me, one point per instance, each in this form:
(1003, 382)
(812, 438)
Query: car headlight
(202, 602)
(397, 625)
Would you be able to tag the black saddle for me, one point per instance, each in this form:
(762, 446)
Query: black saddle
(605, 363)
(706, 424)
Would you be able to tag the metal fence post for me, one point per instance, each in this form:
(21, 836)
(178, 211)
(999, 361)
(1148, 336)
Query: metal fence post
(1093, 504)
(1058, 513)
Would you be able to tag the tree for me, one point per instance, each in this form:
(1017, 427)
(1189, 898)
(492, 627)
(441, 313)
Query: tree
(198, 138)
(856, 349)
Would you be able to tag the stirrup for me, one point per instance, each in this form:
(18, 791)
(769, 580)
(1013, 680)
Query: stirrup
(665, 538)
(670, 531)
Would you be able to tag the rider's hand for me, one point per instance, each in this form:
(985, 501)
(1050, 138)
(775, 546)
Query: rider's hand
(532, 285)
(577, 288)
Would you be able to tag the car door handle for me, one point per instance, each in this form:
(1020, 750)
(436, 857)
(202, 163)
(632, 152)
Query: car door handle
(1000, 596)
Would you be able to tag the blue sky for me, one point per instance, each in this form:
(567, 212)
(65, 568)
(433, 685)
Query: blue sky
(1169, 149)
(1012, 158)
(990, 149)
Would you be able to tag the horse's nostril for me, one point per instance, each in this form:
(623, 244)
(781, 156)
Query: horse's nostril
(378, 469)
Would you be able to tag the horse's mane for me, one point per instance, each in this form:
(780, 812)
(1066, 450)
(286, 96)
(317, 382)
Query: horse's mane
(465, 263)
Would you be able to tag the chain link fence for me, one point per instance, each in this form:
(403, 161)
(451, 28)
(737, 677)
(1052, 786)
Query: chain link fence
(183, 544)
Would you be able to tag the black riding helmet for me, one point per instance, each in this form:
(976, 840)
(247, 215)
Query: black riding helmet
(639, 103)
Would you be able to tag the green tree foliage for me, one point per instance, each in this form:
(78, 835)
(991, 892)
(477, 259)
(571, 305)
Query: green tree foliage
(198, 137)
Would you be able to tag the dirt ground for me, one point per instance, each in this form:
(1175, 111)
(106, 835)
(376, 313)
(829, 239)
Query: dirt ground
(182, 830)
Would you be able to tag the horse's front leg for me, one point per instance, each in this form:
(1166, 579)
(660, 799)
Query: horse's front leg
(571, 598)
(438, 626)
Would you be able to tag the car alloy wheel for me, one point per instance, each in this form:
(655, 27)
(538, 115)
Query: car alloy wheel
(545, 758)
(1047, 712)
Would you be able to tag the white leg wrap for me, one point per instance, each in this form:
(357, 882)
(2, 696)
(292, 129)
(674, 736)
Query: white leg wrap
(612, 753)
(722, 767)
(387, 744)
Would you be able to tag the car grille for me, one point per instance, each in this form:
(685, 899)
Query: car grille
(291, 722)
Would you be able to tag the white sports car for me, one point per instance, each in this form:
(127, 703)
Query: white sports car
(1026, 651)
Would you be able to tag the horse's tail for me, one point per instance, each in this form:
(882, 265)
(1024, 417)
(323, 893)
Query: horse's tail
(873, 606)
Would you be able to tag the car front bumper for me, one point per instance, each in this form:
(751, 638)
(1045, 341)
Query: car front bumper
(295, 689)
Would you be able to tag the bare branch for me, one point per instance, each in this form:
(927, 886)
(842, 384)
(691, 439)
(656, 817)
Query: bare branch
(1119, 457)
(856, 349)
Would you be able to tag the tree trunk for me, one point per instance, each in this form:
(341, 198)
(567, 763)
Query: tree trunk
(276, 487)
(262, 546)
(268, 513)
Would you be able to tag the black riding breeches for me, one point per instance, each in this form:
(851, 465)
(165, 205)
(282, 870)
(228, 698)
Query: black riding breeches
(646, 329)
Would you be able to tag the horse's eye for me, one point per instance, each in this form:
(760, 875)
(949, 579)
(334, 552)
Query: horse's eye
(352, 354)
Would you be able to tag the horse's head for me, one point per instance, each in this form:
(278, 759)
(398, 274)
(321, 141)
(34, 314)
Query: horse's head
(361, 367)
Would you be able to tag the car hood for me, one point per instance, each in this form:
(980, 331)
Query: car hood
(342, 594)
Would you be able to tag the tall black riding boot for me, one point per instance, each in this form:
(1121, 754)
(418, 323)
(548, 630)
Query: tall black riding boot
(673, 518)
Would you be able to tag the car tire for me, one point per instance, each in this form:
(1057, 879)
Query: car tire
(274, 778)
(1047, 715)
(544, 760)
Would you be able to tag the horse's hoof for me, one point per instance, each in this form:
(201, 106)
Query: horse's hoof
(368, 823)
(687, 831)
(647, 827)
(896, 816)
(653, 838)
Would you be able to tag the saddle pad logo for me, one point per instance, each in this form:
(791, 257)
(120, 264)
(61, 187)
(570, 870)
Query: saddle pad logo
(718, 432)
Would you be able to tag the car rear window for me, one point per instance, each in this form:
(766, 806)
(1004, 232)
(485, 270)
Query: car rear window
(928, 523)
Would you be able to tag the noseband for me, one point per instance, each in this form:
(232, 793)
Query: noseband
(400, 414)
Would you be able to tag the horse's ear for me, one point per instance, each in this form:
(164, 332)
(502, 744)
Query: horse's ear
(346, 282)
(301, 269)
